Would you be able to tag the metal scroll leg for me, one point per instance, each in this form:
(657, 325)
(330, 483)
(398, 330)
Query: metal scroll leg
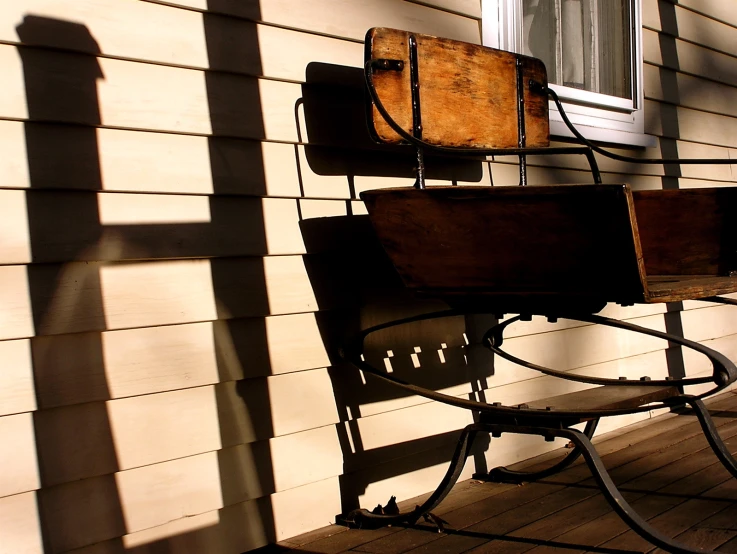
(504, 475)
(615, 498)
(710, 430)
(364, 519)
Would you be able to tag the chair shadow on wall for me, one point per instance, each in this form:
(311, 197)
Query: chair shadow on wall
(349, 269)
(79, 500)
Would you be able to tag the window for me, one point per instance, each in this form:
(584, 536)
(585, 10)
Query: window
(592, 51)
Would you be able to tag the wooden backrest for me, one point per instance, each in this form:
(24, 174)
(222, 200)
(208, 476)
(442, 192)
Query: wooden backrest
(468, 93)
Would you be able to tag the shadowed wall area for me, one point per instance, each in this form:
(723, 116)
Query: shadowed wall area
(183, 248)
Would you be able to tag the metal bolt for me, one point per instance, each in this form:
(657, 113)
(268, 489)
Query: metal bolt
(622, 378)
(645, 378)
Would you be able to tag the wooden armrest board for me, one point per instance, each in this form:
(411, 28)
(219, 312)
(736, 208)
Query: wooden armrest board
(542, 240)
(468, 93)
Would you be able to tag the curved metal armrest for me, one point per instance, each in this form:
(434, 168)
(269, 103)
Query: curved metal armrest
(538, 87)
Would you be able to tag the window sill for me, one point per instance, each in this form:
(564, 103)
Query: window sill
(558, 129)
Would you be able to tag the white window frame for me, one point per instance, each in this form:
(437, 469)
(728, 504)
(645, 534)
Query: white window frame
(597, 116)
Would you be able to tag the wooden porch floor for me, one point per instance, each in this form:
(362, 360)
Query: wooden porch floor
(664, 468)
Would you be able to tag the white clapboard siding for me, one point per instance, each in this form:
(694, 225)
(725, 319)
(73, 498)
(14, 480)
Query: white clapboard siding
(19, 525)
(16, 320)
(131, 362)
(711, 322)
(236, 528)
(15, 243)
(689, 58)
(348, 18)
(18, 458)
(697, 364)
(80, 297)
(146, 497)
(471, 8)
(165, 35)
(137, 161)
(99, 438)
(147, 96)
(712, 9)
(669, 86)
(689, 25)
(121, 226)
(17, 393)
(689, 124)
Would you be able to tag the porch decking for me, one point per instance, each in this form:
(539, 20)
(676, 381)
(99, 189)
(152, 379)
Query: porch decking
(664, 467)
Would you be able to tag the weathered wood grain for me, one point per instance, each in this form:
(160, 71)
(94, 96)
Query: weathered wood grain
(468, 93)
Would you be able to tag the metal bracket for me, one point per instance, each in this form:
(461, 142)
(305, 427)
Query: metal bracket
(387, 64)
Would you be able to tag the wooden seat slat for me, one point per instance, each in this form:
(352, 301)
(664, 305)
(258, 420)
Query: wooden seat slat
(608, 397)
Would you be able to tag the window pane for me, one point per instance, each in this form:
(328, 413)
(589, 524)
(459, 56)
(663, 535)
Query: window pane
(615, 48)
(585, 44)
(539, 32)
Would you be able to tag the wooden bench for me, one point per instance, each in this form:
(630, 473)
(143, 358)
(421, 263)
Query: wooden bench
(557, 250)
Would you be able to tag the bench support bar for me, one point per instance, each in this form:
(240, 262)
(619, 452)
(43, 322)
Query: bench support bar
(582, 446)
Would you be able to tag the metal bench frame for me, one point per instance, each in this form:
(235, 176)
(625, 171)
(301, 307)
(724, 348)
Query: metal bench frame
(546, 421)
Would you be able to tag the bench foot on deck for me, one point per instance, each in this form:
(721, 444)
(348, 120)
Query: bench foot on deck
(363, 518)
(712, 436)
(503, 475)
(609, 489)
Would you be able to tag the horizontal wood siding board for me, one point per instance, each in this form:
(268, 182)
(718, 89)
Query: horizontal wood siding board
(347, 18)
(672, 19)
(78, 296)
(686, 57)
(675, 122)
(471, 8)
(671, 87)
(182, 165)
(193, 40)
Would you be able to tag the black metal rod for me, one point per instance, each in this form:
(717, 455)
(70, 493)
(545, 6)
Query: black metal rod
(724, 372)
(353, 354)
(503, 475)
(619, 157)
(712, 436)
(414, 75)
(615, 498)
(364, 518)
(521, 134)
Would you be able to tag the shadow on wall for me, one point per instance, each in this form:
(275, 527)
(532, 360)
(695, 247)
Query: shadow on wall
(81, 423)
(348, 268)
